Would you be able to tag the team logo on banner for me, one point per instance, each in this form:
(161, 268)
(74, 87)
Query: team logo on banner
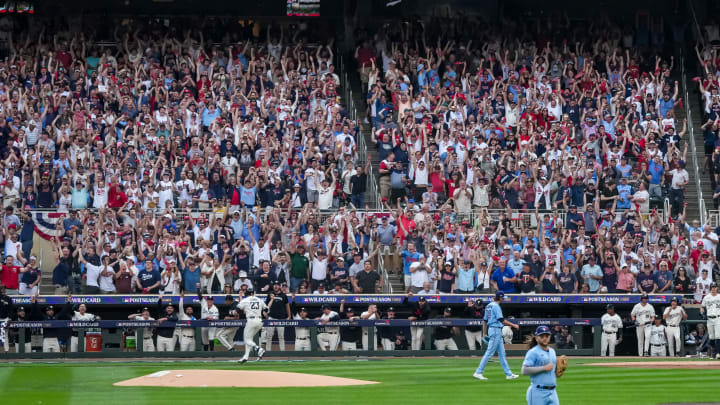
(46, 225)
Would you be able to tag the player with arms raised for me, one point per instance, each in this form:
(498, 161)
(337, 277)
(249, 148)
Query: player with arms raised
(539, 364)
(254, 308)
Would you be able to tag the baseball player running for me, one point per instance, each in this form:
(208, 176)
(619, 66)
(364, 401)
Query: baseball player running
(493, 324)
(186, 335)
(673, 315)
(253, 307)
(611, 324)
(643, 315)
(711, 307)
(658, 338)
(539, 364)
(474, 334)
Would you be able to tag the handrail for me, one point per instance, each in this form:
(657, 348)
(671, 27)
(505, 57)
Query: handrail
(698, 30)
(688, 112)
(666, 210)
(387, 286)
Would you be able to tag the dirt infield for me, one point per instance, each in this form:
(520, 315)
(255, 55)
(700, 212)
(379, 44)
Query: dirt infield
(236, 378)
(692, 365)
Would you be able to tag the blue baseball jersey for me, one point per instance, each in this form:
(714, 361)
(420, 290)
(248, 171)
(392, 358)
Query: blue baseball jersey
(493, 317)
(536, 357)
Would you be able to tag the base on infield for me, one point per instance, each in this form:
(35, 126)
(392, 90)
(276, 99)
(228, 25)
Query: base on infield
(236, 378)
(691, 365)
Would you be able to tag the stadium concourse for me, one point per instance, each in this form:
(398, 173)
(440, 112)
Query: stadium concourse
(159, 160)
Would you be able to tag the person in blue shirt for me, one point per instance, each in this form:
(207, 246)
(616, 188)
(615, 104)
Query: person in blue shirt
(504, 278)
(656, 171)
(539, 364)
(492, 328)
(625, 194)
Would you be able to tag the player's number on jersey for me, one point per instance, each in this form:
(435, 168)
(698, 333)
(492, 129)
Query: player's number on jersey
(254, 305)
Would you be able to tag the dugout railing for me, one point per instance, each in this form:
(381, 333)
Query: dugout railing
(369, 326)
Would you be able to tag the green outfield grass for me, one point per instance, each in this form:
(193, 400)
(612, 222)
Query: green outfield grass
(402, 381)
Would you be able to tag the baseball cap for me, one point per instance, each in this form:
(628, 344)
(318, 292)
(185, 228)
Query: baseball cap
(610, 306)
(448, 309)
(349, 309)
(499, 294)
(542, 330)
(422, 299)
(209, 298)
(644, 296)
(228, 297)
(391, 309)
(478, 301)
(325, 306)
(674, 299)
(21, 309)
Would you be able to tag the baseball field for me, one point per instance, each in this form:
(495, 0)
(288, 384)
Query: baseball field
(399, 381)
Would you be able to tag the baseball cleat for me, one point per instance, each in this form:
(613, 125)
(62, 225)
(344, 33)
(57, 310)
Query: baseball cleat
(479, 376)
(717, 356)
(261, 352)
(512, 377)
(243, 360)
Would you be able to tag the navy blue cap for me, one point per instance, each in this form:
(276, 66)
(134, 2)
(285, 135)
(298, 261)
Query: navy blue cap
(499, 294)
(542, 330)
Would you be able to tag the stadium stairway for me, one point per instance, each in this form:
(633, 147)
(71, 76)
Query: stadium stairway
(691, 193)
(365, 130)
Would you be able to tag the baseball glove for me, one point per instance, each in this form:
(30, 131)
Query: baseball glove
(486, 341)
(561, 366)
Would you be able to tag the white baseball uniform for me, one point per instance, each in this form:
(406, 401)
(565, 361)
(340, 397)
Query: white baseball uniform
(186, 336)
(302, 335)
(711, 304)
(673, 317)
(77, 316)
(147, 343)
(658, 340)
(211, 313)
(644, 315)
(330, 336)
(610, 325)
(253, 308)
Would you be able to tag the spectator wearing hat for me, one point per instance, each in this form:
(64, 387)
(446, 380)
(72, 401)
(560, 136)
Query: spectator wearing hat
(30, 277)
(299, 263)
(680, 178)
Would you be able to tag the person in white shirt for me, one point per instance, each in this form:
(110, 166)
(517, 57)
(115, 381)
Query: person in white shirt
(208, 311)
(92, 274)
(420, 274)
(80, 315)
(328, 337)
(100, 194)
(254, 309)
(702, 286)
(325, 193)
(643, 315)
(611, 324)
(144, 315)
(107, 276)
(711, 308)
(658, 339)
(673, 315)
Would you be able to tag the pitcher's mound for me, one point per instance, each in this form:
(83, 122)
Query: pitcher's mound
(695, 365)
(236, 378)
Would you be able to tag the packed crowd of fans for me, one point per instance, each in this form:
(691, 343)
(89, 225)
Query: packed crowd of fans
(578, 133)
(577, 139)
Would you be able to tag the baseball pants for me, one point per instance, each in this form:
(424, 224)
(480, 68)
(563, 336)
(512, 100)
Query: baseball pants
(187, 343)
(74, 344)
(713, 326)
(267, 335)
(5, 336)
(643, 338)
(674, 343)
(365, 339)
(607, 343)
(329, 340)
(387, 344)
(416, 333)
(657, 351)
(208, 334)
(472, 338)
(51, 345)
(302, 344)
(226, 336)
(445, 344)
(540, 396)
(495, 345)
(28, 347)
(165, 344)
(349, 346)
(252, 327)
